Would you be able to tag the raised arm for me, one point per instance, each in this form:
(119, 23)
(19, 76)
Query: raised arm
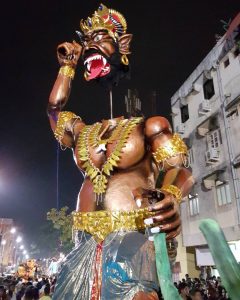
(62, 122)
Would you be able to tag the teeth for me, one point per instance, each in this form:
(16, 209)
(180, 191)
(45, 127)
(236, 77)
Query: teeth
(88, 61)
(94, 57)
(106, 69)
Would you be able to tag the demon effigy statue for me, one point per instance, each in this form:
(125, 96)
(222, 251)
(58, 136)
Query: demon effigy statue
(121, 158)
(27, 269)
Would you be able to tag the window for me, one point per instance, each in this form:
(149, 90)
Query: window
(190, 157)
(214, 139)
(184, 113)
(193, 205)
(226, 63)
(208, 89)
(223, 194)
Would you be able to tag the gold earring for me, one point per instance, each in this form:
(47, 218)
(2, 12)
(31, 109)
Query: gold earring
(86, 75)
(124, 60)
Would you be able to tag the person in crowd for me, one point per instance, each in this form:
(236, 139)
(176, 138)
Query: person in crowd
(46, 295)
(12, 291)
(28, 295)
(12, 288)
(35, 293)
(213, 293)
(223, 293)
(195, 294)
(3, 295)
(184, 291)
(21, 291)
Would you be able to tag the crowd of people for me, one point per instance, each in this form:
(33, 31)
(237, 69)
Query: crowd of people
(201, 289)
(13, 288)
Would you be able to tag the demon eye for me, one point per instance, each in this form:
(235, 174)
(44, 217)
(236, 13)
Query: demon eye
(97, 38)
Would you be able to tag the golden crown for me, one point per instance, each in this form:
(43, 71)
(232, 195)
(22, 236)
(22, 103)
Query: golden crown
(105, 19)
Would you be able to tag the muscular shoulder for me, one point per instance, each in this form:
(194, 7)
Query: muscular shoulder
(157, 125)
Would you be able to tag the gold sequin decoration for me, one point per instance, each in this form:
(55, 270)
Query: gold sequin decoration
(63, 118)
(101, 223)
(174, 190)
(67, 71)
(172, 148)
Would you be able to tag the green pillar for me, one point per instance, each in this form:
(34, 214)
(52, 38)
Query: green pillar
(225, 261)
(168, 289)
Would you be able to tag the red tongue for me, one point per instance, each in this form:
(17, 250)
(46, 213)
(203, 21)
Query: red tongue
(96, 68)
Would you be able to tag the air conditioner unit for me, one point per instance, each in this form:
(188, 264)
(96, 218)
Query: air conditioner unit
(204, 107)
(180, 128)
(212, 155)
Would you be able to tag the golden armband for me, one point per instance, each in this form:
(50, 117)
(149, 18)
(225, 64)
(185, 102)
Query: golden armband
(172, 148)
(63, 118)
(172, 189)
(67, 71)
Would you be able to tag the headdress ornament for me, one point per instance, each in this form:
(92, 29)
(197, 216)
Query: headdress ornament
(105, 19)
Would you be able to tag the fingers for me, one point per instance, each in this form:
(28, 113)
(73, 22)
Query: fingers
(166, 215)
(77, 46)
(152, 195)
(164, 204)
(137, 195)
(69, 51)
(171, 226)
(174, 233)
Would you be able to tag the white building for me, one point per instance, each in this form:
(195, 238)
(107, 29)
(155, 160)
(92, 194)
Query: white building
(206, 112)
(6, 243)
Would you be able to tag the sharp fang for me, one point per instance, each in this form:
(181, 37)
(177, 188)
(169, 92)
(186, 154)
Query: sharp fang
(104, 61)
(95, 57)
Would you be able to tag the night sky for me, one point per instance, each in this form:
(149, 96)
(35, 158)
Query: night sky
(170, 39)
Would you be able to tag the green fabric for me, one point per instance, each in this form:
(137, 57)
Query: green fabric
(168, 289)
(225, 261)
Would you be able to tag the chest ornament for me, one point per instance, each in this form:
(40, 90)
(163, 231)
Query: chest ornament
(89, 137)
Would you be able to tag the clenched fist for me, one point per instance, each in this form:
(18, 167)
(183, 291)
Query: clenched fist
(69, 53)
(166, 209)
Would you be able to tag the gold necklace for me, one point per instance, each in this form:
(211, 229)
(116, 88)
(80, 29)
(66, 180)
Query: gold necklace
(99, 177)
(96, 141)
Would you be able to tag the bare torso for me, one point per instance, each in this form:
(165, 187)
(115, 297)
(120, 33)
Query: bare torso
(135, 169)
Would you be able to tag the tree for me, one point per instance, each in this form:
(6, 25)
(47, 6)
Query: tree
(62, 222)
(46, 242)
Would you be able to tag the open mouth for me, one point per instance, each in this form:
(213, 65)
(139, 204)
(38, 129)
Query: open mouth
(96, 66)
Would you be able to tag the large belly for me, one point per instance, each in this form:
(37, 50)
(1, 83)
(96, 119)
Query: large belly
(119, 193)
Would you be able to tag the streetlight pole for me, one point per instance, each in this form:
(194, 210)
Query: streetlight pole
(4, 242)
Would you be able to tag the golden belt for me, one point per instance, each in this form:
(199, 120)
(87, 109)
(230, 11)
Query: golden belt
(101, 223)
